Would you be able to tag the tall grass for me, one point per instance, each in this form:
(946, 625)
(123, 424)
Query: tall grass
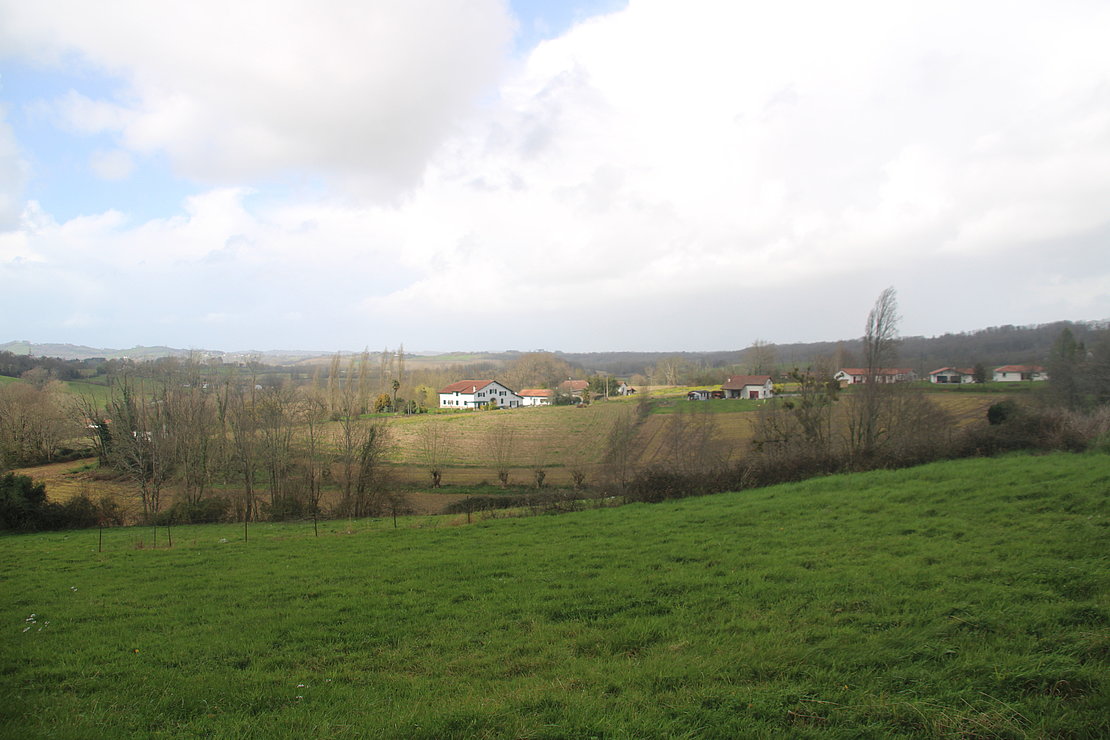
(959, 599)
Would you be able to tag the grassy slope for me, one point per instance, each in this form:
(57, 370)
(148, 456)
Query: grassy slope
(955, 599)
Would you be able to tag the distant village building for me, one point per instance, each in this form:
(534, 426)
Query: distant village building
(1016, 373)
(748, 386)
(536, 397)
(952, 375)
(857, 375)
(472, 394)
(574, 387)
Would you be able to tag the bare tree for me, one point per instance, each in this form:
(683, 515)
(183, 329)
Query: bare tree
(34, 422)
(500, 441)
(433, 444)
(275, 414)
(621, 453)
(190, 412)
(880, 345)
(141, 447)
(761, 357)
(790, 429)
(241, 414)
(311, 410)
(368, 493)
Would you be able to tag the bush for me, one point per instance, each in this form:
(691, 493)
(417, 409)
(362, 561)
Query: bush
(24, 508)
(206, 511)
(23, 504)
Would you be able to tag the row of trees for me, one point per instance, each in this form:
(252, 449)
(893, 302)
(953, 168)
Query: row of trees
(270, 443)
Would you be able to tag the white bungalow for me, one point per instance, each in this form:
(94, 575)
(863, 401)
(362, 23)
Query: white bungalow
(1017, 373)
(472, 394)
(748, 386)
(952, 375)
(857, 375)
(536, 396)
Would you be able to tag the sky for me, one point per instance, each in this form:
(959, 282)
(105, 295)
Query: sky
(587, 175)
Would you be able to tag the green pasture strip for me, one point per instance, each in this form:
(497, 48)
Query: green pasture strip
(958, 599)
(988, 387)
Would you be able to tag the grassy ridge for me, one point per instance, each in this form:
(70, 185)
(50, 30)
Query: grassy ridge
(955, 599)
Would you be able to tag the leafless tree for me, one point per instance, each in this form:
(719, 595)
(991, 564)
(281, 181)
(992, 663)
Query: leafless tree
(34, 422)
(311, 410)
(433, 445)
(761, 357)
(501, 441)
(790, 429)
(242, 419)
(189, 406)
(621, 453)
(368, 492)
(141, 446)
(880, 345)
(276, 419)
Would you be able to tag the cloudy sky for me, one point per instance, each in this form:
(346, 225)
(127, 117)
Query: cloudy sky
(563, 174)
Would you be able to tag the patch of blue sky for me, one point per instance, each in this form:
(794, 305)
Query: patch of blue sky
(546, 19)
(60, 173)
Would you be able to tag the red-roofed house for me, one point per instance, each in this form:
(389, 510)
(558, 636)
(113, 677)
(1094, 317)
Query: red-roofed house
(952, 375)
(857, 375)
(748, 386)
(472, 394)
(574, 387)
(1015, 373)
(536, 396)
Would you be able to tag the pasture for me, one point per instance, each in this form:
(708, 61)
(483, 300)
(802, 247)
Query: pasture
(958, 599)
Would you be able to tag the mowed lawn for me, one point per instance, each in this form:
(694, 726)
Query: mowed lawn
(958, 599)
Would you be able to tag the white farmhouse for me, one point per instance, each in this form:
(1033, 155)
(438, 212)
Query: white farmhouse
(472, 394)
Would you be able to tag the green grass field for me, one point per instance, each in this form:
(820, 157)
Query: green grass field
(959, 599)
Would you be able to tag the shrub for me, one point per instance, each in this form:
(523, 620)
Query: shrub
(24, 508)
(23, 504)
(206, 511)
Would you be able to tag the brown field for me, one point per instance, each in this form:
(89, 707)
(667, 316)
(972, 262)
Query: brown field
(556, 439)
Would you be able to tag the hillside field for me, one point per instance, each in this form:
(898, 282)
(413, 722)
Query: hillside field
(557, 439)
(958, 599)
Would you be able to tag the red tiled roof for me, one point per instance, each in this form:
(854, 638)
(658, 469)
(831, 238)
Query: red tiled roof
(574, 386)
(466, 386)
(536, 392)
(1019, 369)
(736, 382)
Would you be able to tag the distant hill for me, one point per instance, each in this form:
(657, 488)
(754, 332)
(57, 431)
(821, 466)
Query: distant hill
(82, 352)
(998, 345)
(993, 346)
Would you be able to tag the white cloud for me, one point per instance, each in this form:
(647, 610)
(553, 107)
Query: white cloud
(697, 169)
(112, 165)
(234, 91)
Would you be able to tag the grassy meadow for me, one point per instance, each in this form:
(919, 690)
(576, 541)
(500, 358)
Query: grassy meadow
(958, 599)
